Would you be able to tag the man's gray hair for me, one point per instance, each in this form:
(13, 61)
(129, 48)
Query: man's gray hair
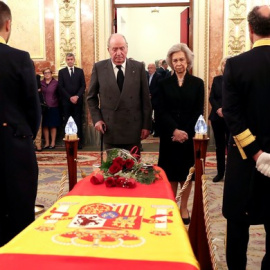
(180, 47)
(112, 35)
(70, 55)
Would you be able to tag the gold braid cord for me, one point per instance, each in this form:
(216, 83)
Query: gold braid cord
(207, 219)
(83, 174)
(64, 180)
(179, 195)
(62, 185)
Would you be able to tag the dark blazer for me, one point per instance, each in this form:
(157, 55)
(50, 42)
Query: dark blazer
(153, 87)
(163, 72)
(20, 116)
(180, 108)
(215, 98)
(68, 86)
(125, 113)
(246, 95)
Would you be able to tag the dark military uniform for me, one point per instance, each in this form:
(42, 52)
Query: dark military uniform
(246, 109)
(19, 122)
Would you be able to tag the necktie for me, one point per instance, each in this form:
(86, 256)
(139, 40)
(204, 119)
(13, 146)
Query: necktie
(71, 72)
(120, 77)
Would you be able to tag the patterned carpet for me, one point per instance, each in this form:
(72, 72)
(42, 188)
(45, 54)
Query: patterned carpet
(52, 165)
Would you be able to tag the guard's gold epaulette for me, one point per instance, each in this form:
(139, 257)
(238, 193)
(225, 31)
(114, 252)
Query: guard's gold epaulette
(242, 140)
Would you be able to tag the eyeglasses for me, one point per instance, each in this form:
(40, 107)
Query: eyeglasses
(47, 72)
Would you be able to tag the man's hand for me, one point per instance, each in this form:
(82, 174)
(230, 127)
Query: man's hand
(263, 164)
(100, 126)
(74, 99)
(144, 133)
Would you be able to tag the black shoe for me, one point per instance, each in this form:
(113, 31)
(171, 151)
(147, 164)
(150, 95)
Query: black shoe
(217, 178)
(186, 221)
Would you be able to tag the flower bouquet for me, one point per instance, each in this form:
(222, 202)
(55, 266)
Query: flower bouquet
(122, 169)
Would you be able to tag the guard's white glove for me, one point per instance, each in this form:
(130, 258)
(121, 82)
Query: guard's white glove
(263, 164)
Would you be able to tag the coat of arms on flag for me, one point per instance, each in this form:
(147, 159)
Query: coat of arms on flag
(108, 216)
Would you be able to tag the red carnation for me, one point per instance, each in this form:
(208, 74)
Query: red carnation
(115, 168)
(97, 179)
(129, 164)
(110, 182)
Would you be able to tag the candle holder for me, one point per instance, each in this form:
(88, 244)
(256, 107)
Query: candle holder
(197, 228)
(71, 142)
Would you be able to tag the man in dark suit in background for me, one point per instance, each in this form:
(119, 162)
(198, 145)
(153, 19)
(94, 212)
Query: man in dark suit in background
(246, 110)
(163, 70)
(71, 84)
(153, 79)
(19, 122)
(118, 97)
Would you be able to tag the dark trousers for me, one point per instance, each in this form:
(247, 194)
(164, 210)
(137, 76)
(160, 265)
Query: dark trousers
(156, 123)
(74, 110)
(237, 243)
(221, 134)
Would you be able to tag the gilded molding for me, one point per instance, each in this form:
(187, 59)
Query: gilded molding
(235, 26)
(206, 58)
(67, 31)
(96, 16)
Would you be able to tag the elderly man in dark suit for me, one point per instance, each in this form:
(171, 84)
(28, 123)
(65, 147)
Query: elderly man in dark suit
(246, 110)
(19, 122)
(153, 79)
(71, 83)
(119, 99)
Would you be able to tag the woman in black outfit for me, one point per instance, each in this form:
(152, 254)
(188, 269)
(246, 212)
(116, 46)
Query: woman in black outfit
(181, 103)
(220, 129)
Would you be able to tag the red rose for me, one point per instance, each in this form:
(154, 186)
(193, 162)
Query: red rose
(114, 168)
(129, 164)
(110, 182)
(119, 160)
(97, 179)
(120, 181)
(130, 183)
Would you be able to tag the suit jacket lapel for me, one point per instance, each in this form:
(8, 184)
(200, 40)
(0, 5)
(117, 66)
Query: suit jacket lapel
(111, 82)
(129, 73)
(67, 73)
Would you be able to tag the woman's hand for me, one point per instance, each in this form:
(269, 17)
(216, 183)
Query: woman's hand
(179, 136)
(219, 112)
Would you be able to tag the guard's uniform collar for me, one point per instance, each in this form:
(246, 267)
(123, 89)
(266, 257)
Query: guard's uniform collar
(262, 42)
(2, 40)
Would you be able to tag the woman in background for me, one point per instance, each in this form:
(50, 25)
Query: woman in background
(220, 129)
(181, 103)
(51, 116)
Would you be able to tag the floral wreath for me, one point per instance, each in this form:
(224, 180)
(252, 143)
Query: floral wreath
(123, 169)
